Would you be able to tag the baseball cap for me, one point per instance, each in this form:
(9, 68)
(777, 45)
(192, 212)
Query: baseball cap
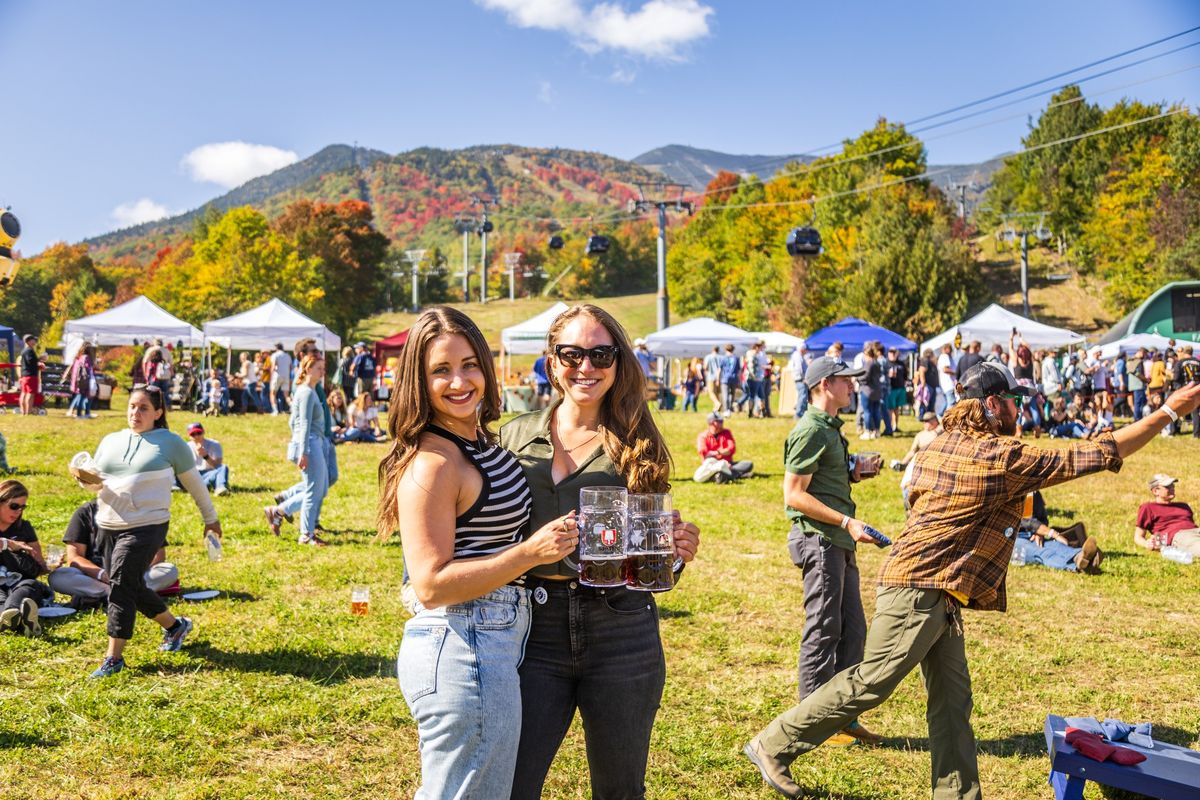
(638, 342)
(828, 367)
(28, 336)
(360, 344)
(989, 378)
(1162, 479)
(929, 416)
(715, 417)
(195, 427)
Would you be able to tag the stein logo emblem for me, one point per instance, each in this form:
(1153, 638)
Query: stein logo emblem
(608, 537)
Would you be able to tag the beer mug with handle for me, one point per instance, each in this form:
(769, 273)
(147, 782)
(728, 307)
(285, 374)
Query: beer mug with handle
(650, 558)
(602, 529)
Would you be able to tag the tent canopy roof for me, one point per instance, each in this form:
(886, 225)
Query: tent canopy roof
(390, 344)
(1132, 342)
(780, 342)
(140, 318)
(853, 333)
(529, 337)
(994, 325)
(264, 326)
(697, 337)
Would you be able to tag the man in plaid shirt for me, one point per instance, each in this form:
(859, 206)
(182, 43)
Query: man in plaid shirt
(967, 493)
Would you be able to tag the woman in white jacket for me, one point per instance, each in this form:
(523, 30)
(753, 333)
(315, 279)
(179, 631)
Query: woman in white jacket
(138, 466)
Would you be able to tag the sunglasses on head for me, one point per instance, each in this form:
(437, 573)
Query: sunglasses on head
(601, 356)
(17, 506)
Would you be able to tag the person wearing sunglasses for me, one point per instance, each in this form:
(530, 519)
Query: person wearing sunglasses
(595, 650)
(138, 466)
(968, 490)
(461, 505)
(21, 563)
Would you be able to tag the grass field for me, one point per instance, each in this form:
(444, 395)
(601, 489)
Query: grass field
(281, 693)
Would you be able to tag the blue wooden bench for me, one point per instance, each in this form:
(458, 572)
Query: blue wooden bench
(1168, 773)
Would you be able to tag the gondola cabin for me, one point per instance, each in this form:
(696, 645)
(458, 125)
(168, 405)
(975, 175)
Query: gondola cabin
(804, 242)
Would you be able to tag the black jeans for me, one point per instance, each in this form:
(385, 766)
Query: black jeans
(598, 651)
(12, 596)
(128, 593)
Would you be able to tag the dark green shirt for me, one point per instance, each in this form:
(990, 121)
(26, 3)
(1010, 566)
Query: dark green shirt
(528, 438)
(816, 447)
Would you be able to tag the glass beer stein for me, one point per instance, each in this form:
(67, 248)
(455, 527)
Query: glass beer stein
(602, 528)
(650, 548)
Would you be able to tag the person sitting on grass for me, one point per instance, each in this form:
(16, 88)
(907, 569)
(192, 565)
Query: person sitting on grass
(84, 576)
(1163, 522)
(716, 447)
(364, 421)
(210, 459)
(21, 563)
(1071, 549)
(339, 415)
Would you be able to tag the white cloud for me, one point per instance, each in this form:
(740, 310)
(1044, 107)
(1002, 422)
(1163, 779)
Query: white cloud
(231, 164)
(623, 75)
(137, 212)
(545, 93)
(658, 29)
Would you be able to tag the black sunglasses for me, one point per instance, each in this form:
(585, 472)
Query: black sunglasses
(602, 356)
(1018, 400)
(17, 506)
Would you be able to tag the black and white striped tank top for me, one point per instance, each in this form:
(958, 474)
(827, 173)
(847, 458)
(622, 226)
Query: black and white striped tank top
(494, 522)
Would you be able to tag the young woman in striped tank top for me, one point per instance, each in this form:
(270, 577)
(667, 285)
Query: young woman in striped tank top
(461, 504)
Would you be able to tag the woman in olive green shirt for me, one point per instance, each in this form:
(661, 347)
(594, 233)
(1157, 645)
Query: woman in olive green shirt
(595, 650)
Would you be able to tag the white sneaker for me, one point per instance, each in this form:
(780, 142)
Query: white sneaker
(221, 490)
(866, 435)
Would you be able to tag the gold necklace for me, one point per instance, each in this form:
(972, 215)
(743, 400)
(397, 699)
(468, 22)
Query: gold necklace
(569, 450)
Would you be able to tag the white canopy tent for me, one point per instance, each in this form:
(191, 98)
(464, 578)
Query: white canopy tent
(529, 337)
(1130, 344)
(697, 337)
(994, 325)
(140, 318)
(778, 342)
(262, 327)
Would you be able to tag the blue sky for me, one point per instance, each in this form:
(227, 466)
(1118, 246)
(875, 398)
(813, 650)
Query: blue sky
(117, 112)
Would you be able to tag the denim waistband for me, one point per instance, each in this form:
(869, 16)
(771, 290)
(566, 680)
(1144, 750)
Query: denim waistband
(511, 595)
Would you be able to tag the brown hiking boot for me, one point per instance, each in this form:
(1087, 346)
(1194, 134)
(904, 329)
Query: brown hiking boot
(774, 771)
(1088, 559)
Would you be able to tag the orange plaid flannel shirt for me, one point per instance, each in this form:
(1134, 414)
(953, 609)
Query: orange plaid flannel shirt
(966, 493)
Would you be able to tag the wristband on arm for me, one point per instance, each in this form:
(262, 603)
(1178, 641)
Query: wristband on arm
(1170, 412)
(845, 523)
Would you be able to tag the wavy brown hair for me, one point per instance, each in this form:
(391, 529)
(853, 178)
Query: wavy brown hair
(967, 415)
(306, 364)
(11, 490)
(410, 411)
(631, 439)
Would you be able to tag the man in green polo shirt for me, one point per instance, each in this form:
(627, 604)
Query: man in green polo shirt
(816, 491)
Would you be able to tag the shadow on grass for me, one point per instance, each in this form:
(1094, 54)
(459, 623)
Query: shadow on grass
(673, 613)
(12, 739)
(1030, 745)
(325, 669)
(235, 489)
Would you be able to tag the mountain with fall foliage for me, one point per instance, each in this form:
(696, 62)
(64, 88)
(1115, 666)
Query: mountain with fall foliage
(416, 194)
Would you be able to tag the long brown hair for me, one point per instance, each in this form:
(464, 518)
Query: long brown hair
(410, 411)
(157, 401)
(631, 439)
(967, 415)
(306, 365)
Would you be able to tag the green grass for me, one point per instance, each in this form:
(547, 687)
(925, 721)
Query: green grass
(280, 693)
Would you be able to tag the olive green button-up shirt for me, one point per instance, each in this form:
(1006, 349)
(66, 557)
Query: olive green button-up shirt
(816, 447)
(528, 438)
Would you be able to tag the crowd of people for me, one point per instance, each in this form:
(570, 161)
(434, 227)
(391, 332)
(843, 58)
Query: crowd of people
(498, 612)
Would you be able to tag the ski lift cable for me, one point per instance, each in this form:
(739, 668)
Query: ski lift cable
(931, 173)
(811, 168)
(622, 216)
(1030, 85)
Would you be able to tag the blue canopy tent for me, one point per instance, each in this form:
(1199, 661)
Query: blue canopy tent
(9, 337)
(853, 333)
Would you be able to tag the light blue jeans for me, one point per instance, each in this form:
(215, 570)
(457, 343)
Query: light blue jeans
(293, 496)
(315, 479)
(457, 669)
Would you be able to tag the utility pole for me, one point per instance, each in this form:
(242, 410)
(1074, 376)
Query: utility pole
(643, 205)
(1042, 233)
(961, 188)
(415, 257)
(466, 226)
(511, 262)
(485, 227)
